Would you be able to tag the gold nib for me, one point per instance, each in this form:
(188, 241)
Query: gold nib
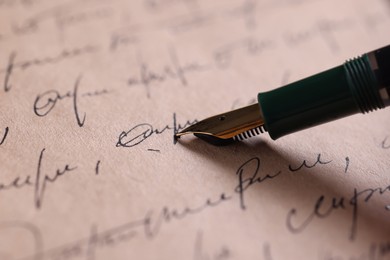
(231, 126)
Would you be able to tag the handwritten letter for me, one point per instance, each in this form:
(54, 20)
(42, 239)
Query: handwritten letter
(92, 93)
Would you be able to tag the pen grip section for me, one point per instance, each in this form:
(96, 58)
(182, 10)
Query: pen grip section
(333, 94)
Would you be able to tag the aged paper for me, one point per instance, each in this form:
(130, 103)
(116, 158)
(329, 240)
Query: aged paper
(92, 92)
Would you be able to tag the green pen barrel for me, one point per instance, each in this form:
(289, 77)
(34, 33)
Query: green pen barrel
(357, 86)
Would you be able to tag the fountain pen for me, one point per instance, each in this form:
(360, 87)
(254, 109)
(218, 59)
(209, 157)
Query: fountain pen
(360, 85)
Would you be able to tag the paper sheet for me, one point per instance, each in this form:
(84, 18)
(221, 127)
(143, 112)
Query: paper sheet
(92, 92)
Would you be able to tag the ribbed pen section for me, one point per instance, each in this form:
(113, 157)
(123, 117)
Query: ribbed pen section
(363, 83)
(250, 133)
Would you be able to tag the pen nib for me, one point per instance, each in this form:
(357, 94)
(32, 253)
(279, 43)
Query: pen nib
(228, 127)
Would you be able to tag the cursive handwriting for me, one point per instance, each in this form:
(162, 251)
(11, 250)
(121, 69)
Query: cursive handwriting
(40, 180)
(250, 173)
(8, 71)
(22, 3)
(96, 93)
(254, 177)
(45, 102)
(322, 211)
(224, 55)
(385, 143)
(97, 168)
(187, 23)
(346, 164)
(122, 37)
(78, 17)
(2, 140)
(141, 132)
(64, 54)
(149, 226)
(175, 71)
(324, 29)
(248, 10)
(305, 165)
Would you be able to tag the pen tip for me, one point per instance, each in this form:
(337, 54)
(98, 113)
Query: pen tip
(224, 129)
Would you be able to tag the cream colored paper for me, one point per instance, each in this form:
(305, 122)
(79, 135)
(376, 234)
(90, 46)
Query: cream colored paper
(93, 91)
